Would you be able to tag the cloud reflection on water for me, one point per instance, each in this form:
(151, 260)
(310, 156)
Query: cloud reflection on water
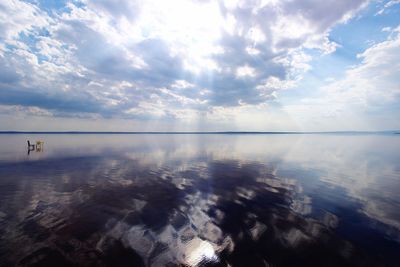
(202, 201)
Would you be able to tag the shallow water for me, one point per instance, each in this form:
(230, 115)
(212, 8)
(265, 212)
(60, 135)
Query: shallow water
(200, 200)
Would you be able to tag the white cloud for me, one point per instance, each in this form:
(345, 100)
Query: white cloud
(110, 59)
(375, 80)
(277, 84)
(244, 71)
(252, 51)
(387, 5)
(362, 99)
(182, 84)
(20, 17)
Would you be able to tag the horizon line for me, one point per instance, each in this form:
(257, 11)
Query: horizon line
(202, 132)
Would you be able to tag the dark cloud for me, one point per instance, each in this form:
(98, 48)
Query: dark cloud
(8, 75)
(60, 102)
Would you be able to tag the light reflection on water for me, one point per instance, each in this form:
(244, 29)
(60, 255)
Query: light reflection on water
(200, 200)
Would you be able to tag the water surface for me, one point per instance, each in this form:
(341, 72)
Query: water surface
(200, 200)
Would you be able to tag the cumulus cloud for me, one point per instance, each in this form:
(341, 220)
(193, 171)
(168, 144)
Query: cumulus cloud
(375, 80)
(172, 59)
(365, 98)
(18, 17)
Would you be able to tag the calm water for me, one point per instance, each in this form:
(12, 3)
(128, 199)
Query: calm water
(200, 200)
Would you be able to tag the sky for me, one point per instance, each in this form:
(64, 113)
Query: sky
(262, 65)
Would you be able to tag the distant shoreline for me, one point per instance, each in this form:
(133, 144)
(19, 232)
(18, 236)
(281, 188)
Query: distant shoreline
(205, 133)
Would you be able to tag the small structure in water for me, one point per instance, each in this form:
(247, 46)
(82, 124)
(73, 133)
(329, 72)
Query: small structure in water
(38, 147)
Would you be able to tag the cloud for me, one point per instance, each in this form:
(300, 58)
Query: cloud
(387, 6)
(375, 80)
(117, 9)
(132, 59)
(244, 71)
(366, 97)
(20, 17)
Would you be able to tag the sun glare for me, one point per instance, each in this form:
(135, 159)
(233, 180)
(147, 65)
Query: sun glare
(190, 28)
